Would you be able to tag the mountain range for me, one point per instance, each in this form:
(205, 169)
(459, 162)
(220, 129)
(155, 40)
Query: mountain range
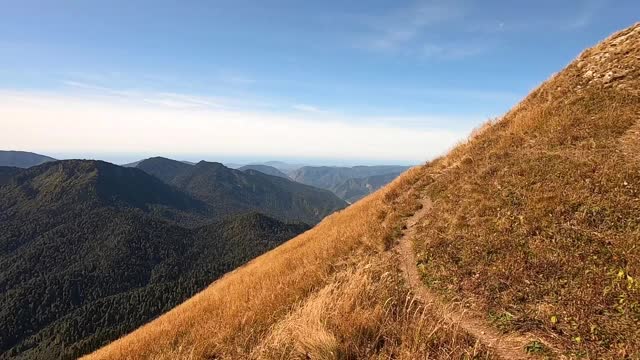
(90, 250)
(231, 191)
(348, 183)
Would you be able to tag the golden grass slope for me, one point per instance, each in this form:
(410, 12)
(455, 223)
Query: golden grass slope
(537, 220)
(535, 223)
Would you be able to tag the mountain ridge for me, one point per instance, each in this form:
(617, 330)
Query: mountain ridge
(91, 250)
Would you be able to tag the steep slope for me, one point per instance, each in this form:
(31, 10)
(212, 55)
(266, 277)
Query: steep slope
(533, 225)
(355, 189)
(229, 191)
(22, 159)
(88, 254)
(330, 178)
(536, 220)
(265, 169)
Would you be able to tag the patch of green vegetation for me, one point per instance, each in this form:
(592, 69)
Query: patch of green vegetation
(502, 320)
(536, 347)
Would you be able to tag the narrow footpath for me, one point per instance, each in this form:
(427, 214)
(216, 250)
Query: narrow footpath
(506, 346)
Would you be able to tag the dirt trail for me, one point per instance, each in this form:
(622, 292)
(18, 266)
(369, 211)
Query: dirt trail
(510, 346)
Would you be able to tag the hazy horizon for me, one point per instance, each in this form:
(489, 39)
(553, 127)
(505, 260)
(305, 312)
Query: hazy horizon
(123, 159)
(372, 82)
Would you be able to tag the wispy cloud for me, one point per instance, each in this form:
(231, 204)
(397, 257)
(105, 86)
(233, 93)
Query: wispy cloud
(405, 25)
(222, 77)
(165, 99)
(581, 15)
(63, 123)
(410, 31)
(587, 13)
(182, 101)
(460, 33)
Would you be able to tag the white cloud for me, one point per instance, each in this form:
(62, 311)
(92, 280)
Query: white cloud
(167, 99)
(62, 123)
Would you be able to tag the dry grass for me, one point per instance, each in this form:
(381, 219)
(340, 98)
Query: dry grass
(536, 223)
(537, 219)
(365, 312)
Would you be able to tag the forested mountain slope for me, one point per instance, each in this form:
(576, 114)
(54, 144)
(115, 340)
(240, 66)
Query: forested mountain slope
(71, 187)
(90, 251)
(229, 191)
(531, 229)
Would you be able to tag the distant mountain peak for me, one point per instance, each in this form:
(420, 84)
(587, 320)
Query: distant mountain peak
(163, 168)
(22, 159)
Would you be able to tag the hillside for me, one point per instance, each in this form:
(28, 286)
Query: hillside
(526, 234)
(228, 191)
(355, 189)
(265, 169)
(90, 251)
(22, 159)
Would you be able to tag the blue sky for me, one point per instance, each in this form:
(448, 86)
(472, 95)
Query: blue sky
(374, 81)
